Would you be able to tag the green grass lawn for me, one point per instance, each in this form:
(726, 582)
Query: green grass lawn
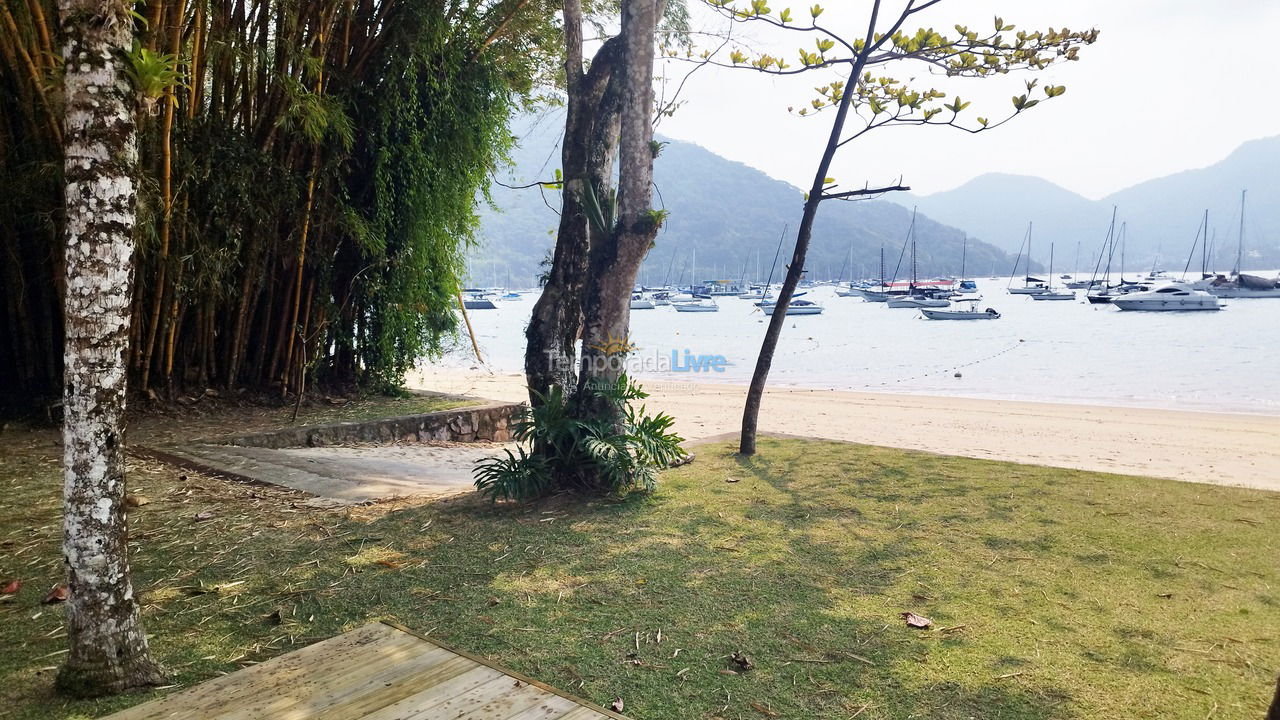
(1054, 593)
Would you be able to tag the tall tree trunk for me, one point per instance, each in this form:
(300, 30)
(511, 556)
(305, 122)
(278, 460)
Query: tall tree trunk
(616, 260)
(751, 411)
(556, 323)
(108, 650)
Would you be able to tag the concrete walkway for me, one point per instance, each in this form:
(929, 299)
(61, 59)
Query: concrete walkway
(349, 474)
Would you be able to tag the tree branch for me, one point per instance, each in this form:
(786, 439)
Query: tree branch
(865, 191)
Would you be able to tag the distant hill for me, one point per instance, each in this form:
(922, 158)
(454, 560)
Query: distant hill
(1162, 214)
(725, 216)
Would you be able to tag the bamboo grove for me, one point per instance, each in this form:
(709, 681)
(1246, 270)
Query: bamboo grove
(309, 171)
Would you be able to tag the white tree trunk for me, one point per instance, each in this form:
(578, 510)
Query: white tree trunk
(108, 650)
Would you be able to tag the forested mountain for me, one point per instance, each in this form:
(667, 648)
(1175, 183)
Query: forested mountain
(727, 214)
(1162, 214)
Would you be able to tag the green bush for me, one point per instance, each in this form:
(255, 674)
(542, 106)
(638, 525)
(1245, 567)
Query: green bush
(621, 451)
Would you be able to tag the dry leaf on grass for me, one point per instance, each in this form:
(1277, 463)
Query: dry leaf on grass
(916, 621)
(11, 587)
(616, 705)
(56, 595)
(763, 710)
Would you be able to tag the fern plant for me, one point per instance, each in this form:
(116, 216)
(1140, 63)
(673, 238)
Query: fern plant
(621, 451)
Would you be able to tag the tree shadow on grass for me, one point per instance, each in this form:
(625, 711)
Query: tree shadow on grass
(648, 597)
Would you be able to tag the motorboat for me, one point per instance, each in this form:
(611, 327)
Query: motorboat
(1052, 295)
(478, 301)
(917, 301)
(640, 302)
(1171, 297)
(704, 305)
(972, 313)
(795, 307)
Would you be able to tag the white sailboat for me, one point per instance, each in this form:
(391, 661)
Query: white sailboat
(1027, 288)
(1049, 293)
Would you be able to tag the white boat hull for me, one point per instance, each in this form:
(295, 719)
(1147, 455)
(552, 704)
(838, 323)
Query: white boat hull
(1053, 296)
(1165, 305)
(642, 305)
(695, 307)
(1026, 290)
(804, 310)
(933, 314)
(917, 303)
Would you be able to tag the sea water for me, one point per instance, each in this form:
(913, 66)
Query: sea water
(1072, 352)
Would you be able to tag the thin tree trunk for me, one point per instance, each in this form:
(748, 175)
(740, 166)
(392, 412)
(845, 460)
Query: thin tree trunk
(751, 410)
(108, 650)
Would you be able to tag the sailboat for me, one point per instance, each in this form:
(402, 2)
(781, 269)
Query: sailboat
(1049, 293)
(1027, 288)
(914, 298)
(1241, 285)
(1105, 295)
(965, 285)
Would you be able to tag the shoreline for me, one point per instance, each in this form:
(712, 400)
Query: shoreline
(1214, 447)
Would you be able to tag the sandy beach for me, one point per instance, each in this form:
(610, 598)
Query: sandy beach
(1217, 448)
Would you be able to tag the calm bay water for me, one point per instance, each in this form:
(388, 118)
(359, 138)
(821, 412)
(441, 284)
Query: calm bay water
(1072, 352)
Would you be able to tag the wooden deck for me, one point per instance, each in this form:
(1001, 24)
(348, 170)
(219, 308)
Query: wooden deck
(379, 672)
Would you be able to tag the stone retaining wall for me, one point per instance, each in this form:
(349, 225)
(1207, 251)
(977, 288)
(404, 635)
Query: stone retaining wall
(483, 423)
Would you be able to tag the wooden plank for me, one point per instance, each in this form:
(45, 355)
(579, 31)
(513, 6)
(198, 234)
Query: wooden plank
(375, 683)
(552, 707)
(208, 698)
(398, 688)
(278, 692)
(378, 671)
(432, 704)
(582, 712)
(603, 713)
(515, 699)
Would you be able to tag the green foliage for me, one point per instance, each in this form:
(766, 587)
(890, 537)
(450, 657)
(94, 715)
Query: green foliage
(432, 132)
(152, 73)
(879, 101)
(562, 452)
(600, 211)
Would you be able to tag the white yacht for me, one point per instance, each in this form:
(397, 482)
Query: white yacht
(1171, 297)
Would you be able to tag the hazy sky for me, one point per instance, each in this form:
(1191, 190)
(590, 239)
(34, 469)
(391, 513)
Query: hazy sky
(1170, 85)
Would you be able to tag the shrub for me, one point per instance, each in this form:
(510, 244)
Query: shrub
(622, 450)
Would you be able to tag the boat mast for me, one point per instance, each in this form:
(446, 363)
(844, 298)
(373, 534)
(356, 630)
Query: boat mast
(1026, 277)
(1014, 272)
(1240, 244)
(882, 265)
(1051, 266)
(1204, 248)
(964, 250)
